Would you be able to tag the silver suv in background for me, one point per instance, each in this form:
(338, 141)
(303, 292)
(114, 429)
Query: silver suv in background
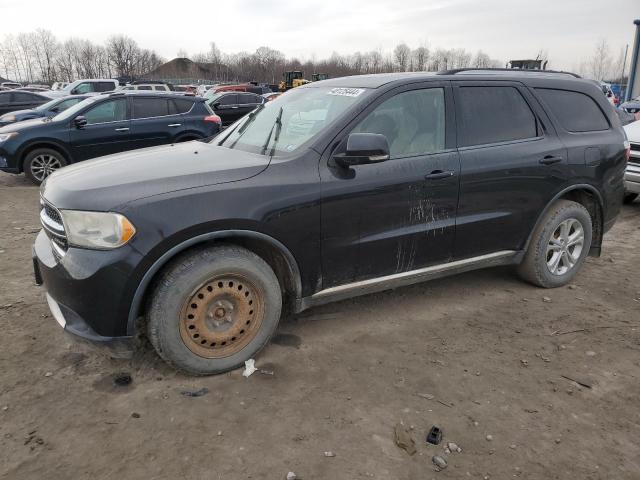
(632, 173)
(85, 86)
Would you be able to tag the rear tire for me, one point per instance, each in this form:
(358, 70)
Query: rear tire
(212, 309)
(629, 198)
(42, 162)
(559, 246)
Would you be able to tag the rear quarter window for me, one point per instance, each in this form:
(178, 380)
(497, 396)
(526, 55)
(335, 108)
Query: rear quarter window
(178, 105)
(576, 112)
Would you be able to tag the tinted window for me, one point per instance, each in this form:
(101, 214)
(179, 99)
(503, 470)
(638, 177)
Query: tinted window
(161, 88)
(179, 106)
(494, 114)
(413, 122)
(109, 111)
(104, 86)
(5, 97)
(144, 87)
(575, 111)
(24, 97)
(228, 99)
(149, 107)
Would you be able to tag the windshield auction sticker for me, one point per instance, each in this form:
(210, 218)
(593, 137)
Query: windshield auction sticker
(346, 92)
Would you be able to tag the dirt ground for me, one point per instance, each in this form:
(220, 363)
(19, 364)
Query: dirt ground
(488, 353)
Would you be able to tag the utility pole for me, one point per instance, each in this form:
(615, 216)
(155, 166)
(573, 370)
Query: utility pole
(633, 86)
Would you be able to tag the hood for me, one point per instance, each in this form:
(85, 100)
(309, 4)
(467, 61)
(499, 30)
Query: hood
(18, 113)
(633, 131)
(24, 125)
(109, 182)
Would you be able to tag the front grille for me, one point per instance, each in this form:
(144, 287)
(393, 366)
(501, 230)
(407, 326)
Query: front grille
(635, 147)
(51, 221)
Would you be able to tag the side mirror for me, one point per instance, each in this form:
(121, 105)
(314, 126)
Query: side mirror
(80, 122)
(216, 106)
(364, 148)
(55, 110)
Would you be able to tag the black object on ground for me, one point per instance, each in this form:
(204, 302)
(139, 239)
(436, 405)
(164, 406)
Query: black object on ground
(434, 436)
(195, 393)
(122, 380)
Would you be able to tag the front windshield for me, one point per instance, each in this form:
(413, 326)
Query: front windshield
(73, 111)
(47, 106)
(283, 125)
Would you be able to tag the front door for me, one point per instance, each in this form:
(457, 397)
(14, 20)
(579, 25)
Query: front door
(399, 215)
(106, 131)
(512, 164)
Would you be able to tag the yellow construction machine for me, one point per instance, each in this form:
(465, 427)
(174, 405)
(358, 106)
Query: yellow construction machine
(292, 80)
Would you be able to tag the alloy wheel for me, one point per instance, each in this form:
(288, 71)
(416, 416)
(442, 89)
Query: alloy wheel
(565, 246)
(44, 165)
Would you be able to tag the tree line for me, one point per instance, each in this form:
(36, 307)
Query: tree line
(39, 57)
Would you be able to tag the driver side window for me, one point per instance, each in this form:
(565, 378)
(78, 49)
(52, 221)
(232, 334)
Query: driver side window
(413, 122)
(109, 111)
(83, 88)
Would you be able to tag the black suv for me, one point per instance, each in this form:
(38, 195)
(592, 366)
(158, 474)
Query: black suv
(340, 188)
(231, 106)
(102, 125)
(12, 100)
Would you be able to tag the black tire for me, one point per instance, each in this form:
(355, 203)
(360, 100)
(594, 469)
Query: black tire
(208, 270)
(629, 198)
(42, 162)
(534, 268)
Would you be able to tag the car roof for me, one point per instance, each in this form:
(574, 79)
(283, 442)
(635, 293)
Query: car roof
(532, 77)
(150, 93)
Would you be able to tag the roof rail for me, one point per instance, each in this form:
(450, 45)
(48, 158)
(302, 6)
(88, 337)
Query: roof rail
(505, 70)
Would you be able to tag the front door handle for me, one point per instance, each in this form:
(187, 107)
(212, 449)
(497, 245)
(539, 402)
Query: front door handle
(550, 160)
(439, 175)
(123, 129)
(174, 125)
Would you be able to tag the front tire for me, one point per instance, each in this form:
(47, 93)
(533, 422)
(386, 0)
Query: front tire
(42, 162)
(212, 309)
(559, 246)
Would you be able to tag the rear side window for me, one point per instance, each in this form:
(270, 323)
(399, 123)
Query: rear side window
(144, 87)
(24, 97)
(177, 106)
(149, 107)
(575, 111)
(228, 100)
(104, 86)
(494, 114)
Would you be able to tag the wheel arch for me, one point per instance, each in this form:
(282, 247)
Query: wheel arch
(277, 255)
(589, 197)
(42, 144)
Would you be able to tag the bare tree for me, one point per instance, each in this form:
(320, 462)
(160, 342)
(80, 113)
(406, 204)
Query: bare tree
(600, 63)
(401, 55)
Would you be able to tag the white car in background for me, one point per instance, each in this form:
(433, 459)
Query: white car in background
(156, 87)
(85, 86)
(632, 174)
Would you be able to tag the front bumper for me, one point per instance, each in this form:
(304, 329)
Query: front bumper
(632, 177)
(86, 289)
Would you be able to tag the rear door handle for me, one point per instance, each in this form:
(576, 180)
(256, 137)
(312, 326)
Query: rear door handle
(439, 175)
(174, 125)
(124, 129)
(550, 160)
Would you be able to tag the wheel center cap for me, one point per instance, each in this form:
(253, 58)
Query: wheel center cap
(219, 315)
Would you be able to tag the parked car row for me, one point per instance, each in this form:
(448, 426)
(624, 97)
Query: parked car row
(101, 125)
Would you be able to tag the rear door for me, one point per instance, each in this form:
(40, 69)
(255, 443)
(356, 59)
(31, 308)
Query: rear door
(398, 215)
(106, 132)
(153, 121)
(227, 108)
(512, 164)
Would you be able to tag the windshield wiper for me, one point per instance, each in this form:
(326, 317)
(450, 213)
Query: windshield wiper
(277, 123)
(244, 126)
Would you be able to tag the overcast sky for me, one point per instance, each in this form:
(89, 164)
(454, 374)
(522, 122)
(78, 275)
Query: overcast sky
(567, 29)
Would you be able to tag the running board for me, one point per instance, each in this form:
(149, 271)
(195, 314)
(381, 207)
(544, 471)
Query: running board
(349, 290)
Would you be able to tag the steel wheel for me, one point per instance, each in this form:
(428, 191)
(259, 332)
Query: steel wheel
(222, 316)
(44, 165)
(565, 246)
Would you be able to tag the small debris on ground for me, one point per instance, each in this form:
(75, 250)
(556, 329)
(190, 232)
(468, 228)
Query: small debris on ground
(582, 382)
(402, 438)
(434, 436)
(489, 438)
(48, 374)
(428, 396)
(135, 415)
(439, 462)
(249, 368)
(453, 447)
(292, 476)
(195, 393)
(329, 454)
(546, 299)
(122, 379)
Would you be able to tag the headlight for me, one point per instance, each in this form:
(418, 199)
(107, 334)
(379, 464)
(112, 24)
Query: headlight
(100, 230)
(6, 136)
(8, 118)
